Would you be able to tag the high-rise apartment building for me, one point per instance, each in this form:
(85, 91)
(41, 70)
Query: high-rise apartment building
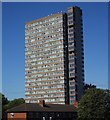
(54, 58)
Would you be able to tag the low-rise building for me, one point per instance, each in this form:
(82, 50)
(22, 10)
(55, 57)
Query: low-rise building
(42, 111)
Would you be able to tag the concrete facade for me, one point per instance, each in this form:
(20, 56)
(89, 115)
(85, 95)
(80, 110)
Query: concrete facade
(54, 58)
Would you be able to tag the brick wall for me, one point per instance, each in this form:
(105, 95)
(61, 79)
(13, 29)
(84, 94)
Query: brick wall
(16, 116)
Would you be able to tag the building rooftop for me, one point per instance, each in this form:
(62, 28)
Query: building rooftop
(44, 18)
(41, 106)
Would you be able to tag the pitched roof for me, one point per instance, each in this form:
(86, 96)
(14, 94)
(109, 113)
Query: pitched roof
(47, 108)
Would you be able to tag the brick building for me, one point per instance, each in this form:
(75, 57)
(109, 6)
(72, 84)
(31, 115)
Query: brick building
(42, 111)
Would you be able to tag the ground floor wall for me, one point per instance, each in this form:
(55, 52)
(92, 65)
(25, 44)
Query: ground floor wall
(42, 116)
(16, 116)
(51, 115)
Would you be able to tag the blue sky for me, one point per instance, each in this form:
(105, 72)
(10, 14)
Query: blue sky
(95, 28)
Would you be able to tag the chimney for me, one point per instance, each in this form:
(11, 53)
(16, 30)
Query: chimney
(42, 103)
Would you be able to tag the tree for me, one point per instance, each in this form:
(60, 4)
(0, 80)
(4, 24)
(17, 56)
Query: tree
(4, 102)
(88, 86)
(4, 99)
(95, 104)
(14, 103)
(107, 104)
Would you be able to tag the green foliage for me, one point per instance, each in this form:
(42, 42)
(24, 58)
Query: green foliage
(88, 86)
(107, 104)
(4, 101)
(95, 104)
(14, 103)
(6, 104)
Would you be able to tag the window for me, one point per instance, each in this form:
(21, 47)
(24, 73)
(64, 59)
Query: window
(71, 69)
(70, 17)
(71, 43)
(70, 22)
(71, 65)
(72, 74)
(70, 14)
(72, 87)
(72, 97)
(70, 34)
(71, 39)
(72, 92)
(72, 47)
(72, 101)
(71, 56)
(71, 61)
